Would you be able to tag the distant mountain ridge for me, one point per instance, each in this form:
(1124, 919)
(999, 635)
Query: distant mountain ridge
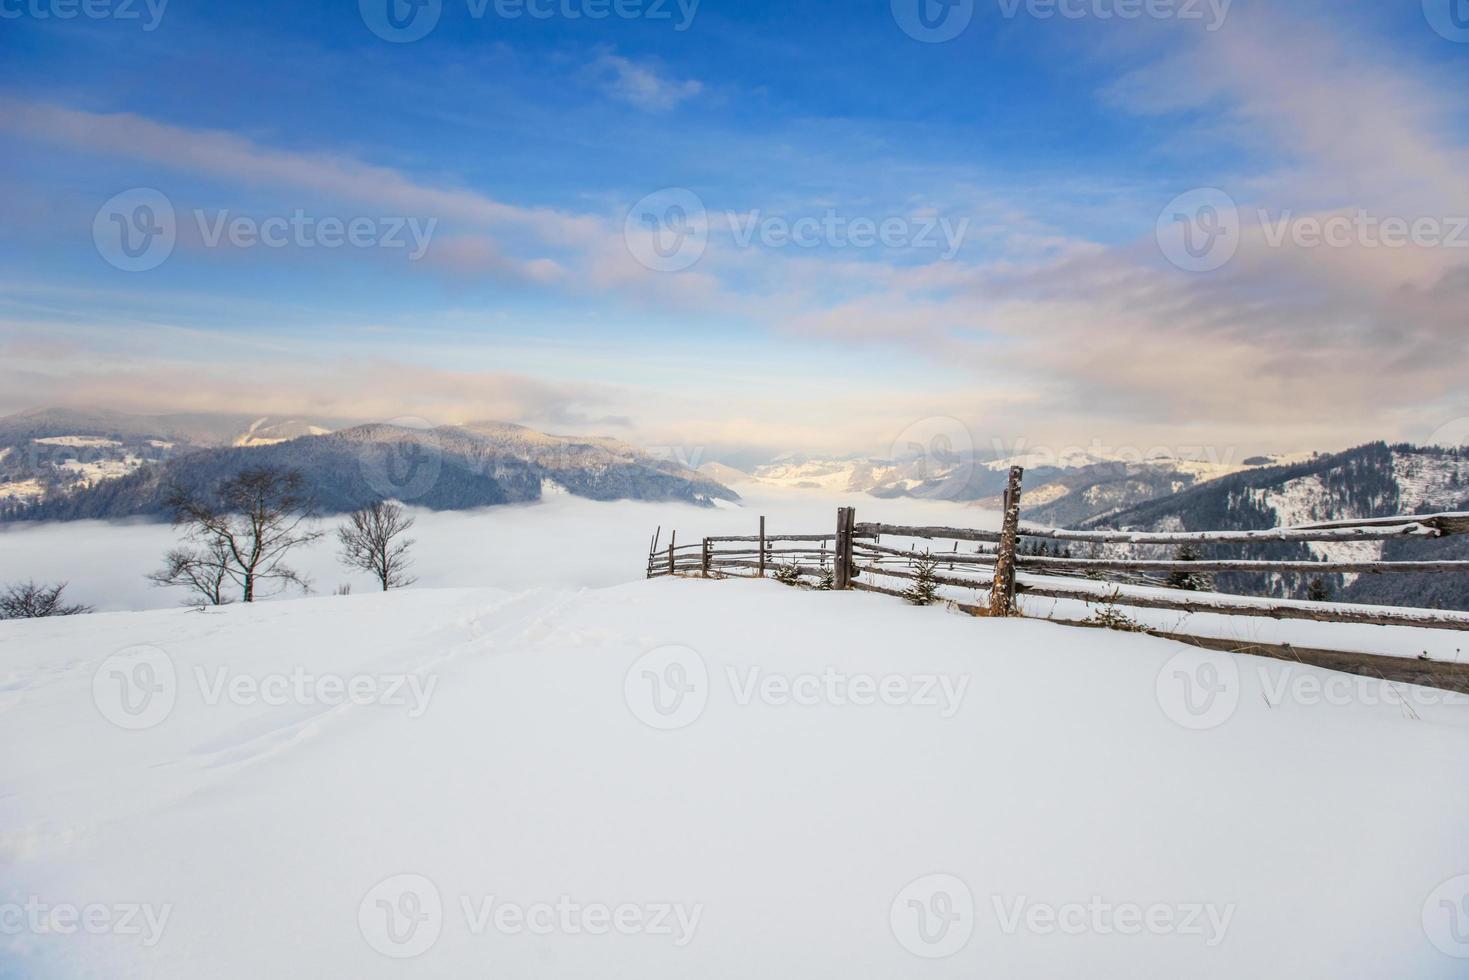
(442, 468)
(1060, 490)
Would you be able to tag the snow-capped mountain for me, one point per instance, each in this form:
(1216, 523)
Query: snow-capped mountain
(126, 471)
(49, 452)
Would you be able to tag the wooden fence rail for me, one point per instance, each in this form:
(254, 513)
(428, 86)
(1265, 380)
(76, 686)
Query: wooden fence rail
(854, 557)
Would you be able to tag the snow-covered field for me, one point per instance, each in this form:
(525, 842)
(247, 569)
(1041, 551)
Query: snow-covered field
(686, 778)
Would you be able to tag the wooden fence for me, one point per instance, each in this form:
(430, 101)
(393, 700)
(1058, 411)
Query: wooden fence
(998, 568)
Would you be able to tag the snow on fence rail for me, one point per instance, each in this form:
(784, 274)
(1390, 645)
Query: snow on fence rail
(855, 558)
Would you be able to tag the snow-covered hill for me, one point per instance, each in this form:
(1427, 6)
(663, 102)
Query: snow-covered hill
(690, 778)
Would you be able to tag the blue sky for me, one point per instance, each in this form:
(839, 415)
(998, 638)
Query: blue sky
(1046, 147)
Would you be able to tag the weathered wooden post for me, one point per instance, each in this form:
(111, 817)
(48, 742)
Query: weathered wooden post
(847, 558)
(704, 559)
(1002, 592)
(762, 547)
(842, 558)
(653, 549)
(672, 539)
(838, 577)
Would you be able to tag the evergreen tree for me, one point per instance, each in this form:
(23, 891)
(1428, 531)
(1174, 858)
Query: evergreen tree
(923, 591)
(1318, 590)
(1189, 581)
(787, 574)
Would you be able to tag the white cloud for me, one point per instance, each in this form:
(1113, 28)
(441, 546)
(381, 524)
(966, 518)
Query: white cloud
(642, 85)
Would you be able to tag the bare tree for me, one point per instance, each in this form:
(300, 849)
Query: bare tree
(27, 600)
(370, 542)
(204, 572)
(244, 532)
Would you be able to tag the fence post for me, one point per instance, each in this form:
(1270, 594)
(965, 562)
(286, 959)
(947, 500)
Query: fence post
(704, 559)
(838, 581)
(762, 547)
(1002, 593)
(672, 538)
(842, 558)
(847, 559)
